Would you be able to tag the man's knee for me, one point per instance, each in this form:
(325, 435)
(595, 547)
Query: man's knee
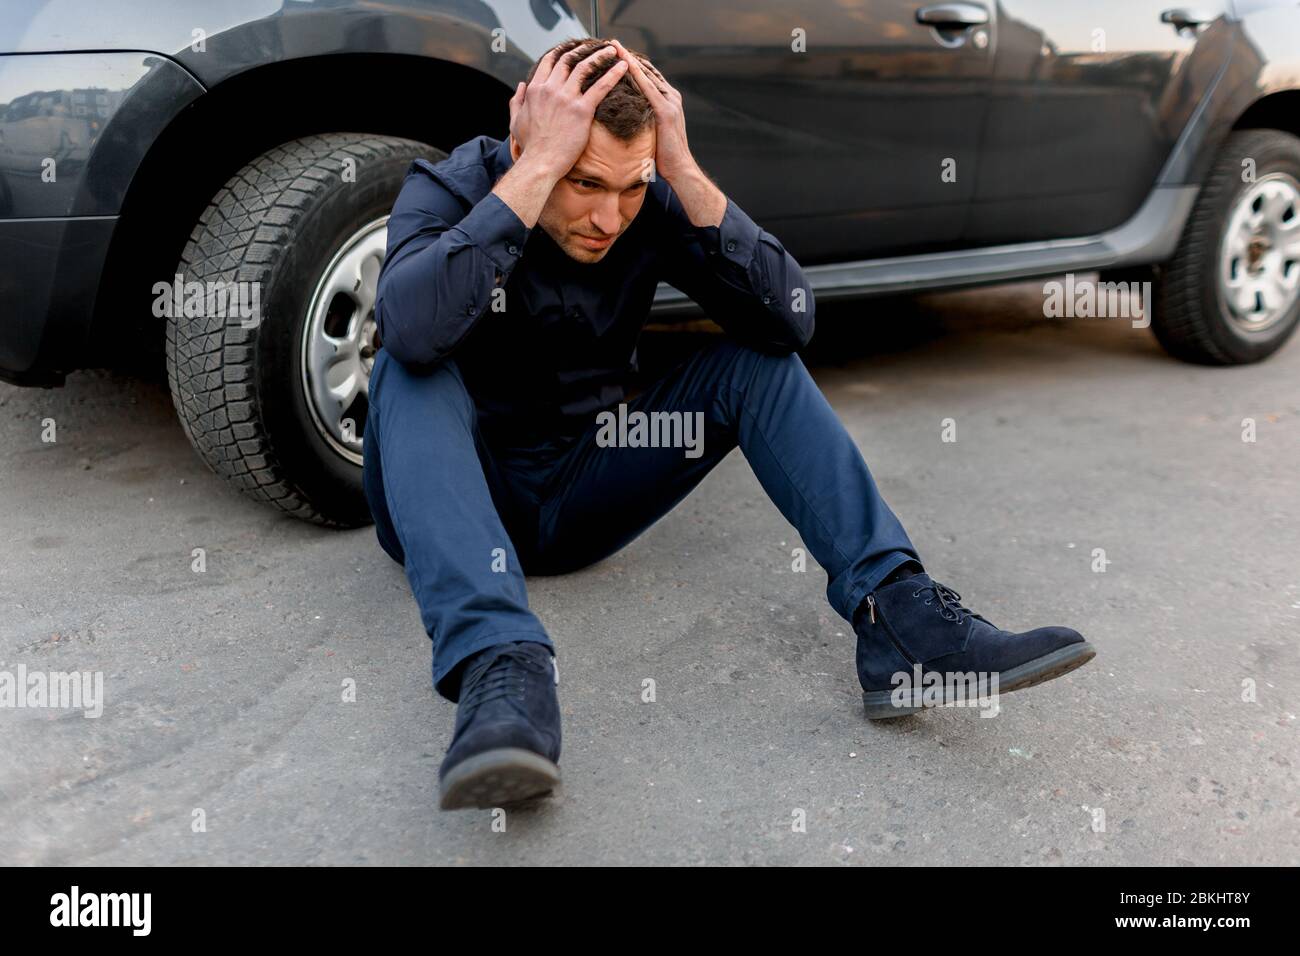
(428, 394)
(758, 365)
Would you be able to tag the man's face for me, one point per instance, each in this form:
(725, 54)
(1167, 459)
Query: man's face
(598, 198)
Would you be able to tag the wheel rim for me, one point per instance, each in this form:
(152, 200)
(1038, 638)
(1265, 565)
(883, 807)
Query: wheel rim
(339, 340)
(1259, 261)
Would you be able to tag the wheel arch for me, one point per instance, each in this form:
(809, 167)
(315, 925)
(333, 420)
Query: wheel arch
(228, 126)
(1279, 110)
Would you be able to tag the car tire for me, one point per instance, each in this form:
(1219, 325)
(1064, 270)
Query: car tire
(248, 375)
(1213, 297)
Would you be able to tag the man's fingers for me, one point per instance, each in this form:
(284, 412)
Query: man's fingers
(588, 65)
(633, 60)
(663, 85)
(606, 83)
(564, 66)
(572, 69)
(545, 67)
(516, 102)
(666, 86)
(648, 87)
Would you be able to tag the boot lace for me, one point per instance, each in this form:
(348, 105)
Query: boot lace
(502, 678)
(950, 606)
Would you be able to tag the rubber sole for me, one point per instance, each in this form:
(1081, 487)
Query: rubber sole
(879, 704)
(497, 777)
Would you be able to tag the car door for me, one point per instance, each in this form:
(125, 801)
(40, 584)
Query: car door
(831, 122)
(1088, 100)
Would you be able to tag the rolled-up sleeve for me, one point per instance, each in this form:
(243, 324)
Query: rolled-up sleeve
(441, 266)
(741, 275)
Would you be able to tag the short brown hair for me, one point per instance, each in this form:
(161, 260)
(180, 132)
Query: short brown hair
(625, 111)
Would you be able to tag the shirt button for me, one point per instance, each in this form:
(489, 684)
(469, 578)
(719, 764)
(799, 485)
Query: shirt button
(469, 309)
(731, 245)
(512, 249)
(767, 299)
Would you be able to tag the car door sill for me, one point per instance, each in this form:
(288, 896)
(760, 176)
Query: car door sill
(1149, 236)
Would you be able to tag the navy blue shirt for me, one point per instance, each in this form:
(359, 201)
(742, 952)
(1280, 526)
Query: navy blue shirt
(558, 344)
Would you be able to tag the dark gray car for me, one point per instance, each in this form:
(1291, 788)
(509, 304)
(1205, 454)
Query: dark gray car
(208, 183)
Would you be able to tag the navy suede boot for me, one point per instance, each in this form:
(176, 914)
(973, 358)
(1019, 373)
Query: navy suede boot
(918, 647)
(507, 736)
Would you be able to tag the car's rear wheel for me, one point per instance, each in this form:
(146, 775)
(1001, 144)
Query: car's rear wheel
(272, 394)
(1231, 294)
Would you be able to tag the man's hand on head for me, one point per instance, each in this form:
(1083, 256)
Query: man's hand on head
(550, 121)
(673, 159)
(703, 202)
(550, 117)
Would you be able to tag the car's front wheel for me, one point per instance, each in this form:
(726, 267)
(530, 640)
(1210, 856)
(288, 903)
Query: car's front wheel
(1231, 294)
(271, 328)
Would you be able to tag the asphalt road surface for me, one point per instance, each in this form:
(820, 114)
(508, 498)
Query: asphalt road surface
(225, 736)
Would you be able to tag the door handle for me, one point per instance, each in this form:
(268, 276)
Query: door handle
(1186, 21)
(953, 16)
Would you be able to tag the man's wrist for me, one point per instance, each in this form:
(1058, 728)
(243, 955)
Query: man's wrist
(704, 203)
(539, 167)
(526, 186)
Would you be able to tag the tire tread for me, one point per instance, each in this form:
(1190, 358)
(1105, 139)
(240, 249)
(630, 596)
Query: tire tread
(1180, 323)
(210, 360)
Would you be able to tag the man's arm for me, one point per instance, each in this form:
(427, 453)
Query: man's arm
(739, 274)
(712, 251)
(438, 278)
(439, 273)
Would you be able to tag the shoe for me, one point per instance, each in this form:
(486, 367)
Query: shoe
(507, 737)
(916, 627)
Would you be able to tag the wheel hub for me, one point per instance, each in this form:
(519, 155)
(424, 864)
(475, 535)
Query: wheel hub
(1259, 268)
(369, 342)
(340, 339)
(1255, 252)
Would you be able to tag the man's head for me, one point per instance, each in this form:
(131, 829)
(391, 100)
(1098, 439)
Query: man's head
(601, 195)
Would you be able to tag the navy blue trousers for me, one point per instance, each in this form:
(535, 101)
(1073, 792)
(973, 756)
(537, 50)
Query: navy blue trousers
(468, 521)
